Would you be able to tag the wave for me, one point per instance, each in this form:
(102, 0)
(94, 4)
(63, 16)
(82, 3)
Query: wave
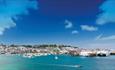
(75, 66)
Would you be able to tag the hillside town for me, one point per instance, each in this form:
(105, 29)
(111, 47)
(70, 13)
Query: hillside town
(53, 49)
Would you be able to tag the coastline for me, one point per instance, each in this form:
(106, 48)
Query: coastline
(30, 51)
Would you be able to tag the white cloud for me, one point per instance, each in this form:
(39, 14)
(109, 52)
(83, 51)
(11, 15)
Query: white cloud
(100, 37)
(108, 38)
(68, 24)
(101, 45)
(108, 14)
(88, 28)
(10, 9)
(75, 32)
(5, 24)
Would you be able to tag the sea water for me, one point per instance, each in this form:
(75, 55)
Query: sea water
(64, 62)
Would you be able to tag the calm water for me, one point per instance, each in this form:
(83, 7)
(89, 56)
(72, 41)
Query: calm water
(49, 63)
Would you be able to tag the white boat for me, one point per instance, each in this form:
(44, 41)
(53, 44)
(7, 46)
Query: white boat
(28, 55)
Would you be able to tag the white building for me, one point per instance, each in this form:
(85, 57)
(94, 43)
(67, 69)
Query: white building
(103, 53)
(85, 53)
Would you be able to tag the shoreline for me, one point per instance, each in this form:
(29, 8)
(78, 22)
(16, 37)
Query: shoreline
(44, 50)
(31, 55)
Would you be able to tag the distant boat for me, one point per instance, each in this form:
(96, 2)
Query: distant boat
(28, 55)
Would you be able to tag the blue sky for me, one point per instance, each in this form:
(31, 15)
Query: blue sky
(83, 23)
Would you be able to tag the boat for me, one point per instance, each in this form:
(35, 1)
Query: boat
(28, 55)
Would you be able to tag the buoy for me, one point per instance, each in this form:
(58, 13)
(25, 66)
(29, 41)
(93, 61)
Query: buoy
(56, 57)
